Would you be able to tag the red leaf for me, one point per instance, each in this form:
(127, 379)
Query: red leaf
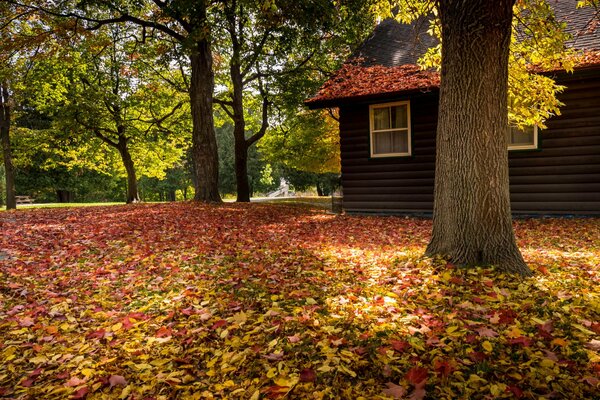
(522, 340)
(307, 375)
(74, 381)
(443, 367)
(27, 382)
(518, 393)
(163, 332)
(99, 334)
(127, 324)
(81, 393)
(220, 323)
(417, 375)
(400, 345)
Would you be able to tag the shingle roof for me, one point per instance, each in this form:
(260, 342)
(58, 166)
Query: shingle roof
(374, 68)
(393, 44)
(580, 24)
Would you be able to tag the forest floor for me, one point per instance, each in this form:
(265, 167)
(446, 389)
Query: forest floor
(180, 300)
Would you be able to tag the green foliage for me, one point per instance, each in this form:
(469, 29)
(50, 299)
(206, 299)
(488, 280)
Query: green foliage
(308, 141)
(261, 176)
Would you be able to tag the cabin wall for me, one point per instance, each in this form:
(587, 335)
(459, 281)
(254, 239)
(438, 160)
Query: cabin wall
(561, 177)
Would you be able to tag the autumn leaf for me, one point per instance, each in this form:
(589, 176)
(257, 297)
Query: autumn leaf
(226, 286)
(417, 375)
(393, 390)
(307, 375)
(117, 380)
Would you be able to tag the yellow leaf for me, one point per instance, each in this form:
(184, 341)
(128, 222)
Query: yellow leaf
(116, 327)
(487, 346)
(87, 372)
(271, 373)
(38, 359)
(498, 389)
(255, 395)
(346, 370)
(286, 381)
(547, 363)
(514, 332)
(125, 392)
(582, 329)
(451, 329)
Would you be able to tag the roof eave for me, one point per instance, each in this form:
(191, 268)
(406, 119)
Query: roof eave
(343, 101)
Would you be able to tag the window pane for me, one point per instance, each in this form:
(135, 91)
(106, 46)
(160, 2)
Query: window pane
(390, 142)
(400, 142)
(399, 116)
(382, 143)
(519, 137)
(381, 118)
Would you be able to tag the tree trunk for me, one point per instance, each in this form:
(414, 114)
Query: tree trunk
(132, 185)
(171, 195)
(319, 190)
(11, 202)
(205, 158)
(239, 134)
(64, 196)
(472, 223)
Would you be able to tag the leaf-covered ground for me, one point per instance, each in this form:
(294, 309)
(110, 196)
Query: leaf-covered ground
(258, 301)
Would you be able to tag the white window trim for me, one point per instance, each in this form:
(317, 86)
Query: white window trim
(533, 146)
(372, 130)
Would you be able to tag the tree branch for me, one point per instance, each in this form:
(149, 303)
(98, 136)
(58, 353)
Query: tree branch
(265, 119)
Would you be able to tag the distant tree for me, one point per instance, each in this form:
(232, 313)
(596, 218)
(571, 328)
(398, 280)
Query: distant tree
(270, 46)
(184, 23)
(112, 98)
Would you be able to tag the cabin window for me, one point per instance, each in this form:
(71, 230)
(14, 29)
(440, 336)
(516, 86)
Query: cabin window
(523, 139)
(390, 129)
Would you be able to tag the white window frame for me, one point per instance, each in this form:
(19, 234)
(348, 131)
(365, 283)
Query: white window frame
(372, 130)
(533, 146)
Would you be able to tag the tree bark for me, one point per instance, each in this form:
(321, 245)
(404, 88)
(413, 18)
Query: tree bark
(5, 115)
(239, 132)
(205, 158)
(472, 223)
(132, 184)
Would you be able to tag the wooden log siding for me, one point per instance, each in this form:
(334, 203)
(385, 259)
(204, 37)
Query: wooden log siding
(561, 177)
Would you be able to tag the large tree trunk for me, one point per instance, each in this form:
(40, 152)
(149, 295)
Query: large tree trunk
(132, 184)
(205, 158)
(11, 202)
(472, 222)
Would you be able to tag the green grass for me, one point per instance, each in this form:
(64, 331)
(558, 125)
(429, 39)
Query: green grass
(321, 202)
(62, 205)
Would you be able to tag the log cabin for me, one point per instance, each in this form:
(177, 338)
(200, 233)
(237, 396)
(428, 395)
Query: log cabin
(388, 110)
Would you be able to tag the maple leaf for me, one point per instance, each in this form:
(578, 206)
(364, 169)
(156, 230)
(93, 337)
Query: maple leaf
(81, 393)
(307, 375)
(419, 392)
(417, 375)
(487, 332)
(400, 345)
(274, 356)
(395, 391)
(117, 380)
(74, 381)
